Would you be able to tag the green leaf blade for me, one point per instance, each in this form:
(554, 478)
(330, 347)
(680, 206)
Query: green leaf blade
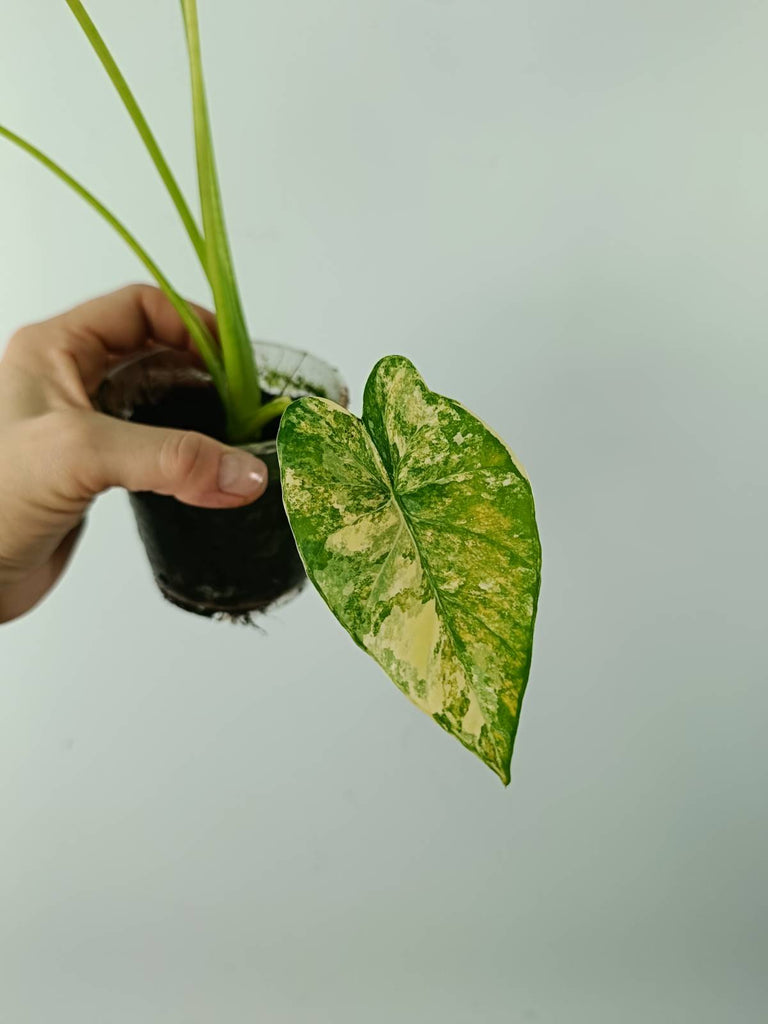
(417, 526)
(136, 114)
(198, 331)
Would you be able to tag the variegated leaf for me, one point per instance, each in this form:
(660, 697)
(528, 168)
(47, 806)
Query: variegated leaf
(417, 526)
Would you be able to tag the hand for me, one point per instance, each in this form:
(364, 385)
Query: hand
(57, 453)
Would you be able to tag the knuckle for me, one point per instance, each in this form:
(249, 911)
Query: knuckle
(19, 341)
(182, 455)
(141, 291)
(135, 287)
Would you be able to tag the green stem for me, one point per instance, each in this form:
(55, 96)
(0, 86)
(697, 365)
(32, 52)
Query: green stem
(198, 331)
(239, 361)
(129, 100)
(253, 426)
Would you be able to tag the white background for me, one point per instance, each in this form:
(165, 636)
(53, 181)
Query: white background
(559, 210)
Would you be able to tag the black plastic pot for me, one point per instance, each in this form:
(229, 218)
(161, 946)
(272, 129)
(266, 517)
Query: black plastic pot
(228, 563)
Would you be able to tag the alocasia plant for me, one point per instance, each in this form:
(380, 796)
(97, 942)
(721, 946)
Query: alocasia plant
(415, 523)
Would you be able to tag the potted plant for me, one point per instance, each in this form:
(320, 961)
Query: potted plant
(415, 522)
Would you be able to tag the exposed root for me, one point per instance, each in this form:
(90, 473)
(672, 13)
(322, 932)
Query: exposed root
(242, 619)
(253, 617)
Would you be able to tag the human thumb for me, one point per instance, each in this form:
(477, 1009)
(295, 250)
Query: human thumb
(192, 467)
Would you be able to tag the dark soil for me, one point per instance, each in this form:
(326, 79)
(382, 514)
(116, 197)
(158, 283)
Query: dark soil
(194, 406)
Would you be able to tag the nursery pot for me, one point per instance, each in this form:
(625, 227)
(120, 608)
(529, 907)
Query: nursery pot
(227, 563)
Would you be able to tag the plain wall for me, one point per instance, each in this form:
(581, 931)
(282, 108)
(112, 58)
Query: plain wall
(559, 211)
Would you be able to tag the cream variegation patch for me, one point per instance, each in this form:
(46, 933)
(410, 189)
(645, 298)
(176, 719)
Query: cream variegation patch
(360, 535)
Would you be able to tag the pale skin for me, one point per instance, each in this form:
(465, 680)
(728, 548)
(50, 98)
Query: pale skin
(57, 453)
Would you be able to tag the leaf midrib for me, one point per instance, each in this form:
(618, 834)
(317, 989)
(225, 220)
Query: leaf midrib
(446, 617)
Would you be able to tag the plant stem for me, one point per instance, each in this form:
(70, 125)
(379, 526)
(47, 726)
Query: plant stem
(239, 361)
(129, 100)
(269, 411)
(197, 329)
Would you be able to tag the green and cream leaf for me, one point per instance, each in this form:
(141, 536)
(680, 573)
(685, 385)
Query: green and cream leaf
(416, 524)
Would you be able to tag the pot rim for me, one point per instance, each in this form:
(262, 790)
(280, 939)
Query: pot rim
(260, 447)
(133, 381)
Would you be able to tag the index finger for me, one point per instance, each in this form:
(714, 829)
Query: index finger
(110, 328)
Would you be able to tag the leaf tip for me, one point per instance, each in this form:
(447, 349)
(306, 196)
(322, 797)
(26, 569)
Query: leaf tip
(502, 771)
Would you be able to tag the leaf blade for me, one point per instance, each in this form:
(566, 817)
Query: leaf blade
(378, 507)
(136, 114)
(197, 329)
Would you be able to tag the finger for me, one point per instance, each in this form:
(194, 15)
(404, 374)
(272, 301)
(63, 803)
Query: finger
(192, 467)
(106, 330)
(122, 321)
